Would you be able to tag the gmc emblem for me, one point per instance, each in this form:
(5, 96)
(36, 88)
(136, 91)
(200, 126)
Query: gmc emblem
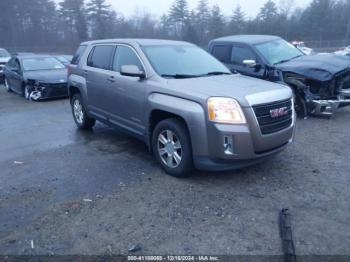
(279, 112)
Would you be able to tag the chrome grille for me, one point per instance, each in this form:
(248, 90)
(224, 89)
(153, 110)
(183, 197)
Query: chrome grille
(269, 124)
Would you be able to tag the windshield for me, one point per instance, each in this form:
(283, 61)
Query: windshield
(41, 63)
(278, 51)
(4, 53)
(185, 61)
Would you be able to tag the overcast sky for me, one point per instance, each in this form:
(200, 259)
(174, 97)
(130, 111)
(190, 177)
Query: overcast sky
(250, 7)
(158, 7)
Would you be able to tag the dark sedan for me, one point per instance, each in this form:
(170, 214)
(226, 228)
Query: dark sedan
(36, 77)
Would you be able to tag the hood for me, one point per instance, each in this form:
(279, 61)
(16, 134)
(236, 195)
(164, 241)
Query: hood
(246, 90)
(320, 67)
(48, 76)
(4, 59)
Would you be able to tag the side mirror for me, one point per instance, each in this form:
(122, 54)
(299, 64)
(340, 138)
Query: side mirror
(132, 70)
(250, 63)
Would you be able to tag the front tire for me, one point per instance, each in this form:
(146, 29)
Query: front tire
(27, 91)
(82, 120)
(7, 85)
(172, 147)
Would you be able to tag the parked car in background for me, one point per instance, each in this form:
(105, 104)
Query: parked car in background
(36, 77)
(321, 83)
(303, 48)
(4, 58)
(345, 52)
(182, 102)
(64, 59)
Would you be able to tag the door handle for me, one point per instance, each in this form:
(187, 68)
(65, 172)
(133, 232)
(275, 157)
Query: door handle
(86, 73)
(111, 79)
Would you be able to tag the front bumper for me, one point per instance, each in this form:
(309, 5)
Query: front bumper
(328, 107)
(238, 146)
(47, 92)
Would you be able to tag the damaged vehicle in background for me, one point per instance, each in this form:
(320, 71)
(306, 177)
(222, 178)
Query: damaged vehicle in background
(36, 77)
(321, 83)
(4, 58)
(303, 48)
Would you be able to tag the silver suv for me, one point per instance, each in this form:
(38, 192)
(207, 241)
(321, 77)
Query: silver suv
(184, 104)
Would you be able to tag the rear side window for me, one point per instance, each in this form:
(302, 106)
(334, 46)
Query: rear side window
(101, 57)
(126, 56)
(222, 53)
(78, 54)
(239, 54)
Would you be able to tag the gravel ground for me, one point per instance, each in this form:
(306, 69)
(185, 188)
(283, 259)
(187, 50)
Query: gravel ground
(101, 192)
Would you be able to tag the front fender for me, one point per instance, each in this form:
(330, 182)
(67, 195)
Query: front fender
(192, 113)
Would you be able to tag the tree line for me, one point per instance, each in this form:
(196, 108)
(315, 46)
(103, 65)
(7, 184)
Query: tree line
(43, 25)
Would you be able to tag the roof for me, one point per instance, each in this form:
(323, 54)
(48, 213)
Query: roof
(141, 42)
(247, 39)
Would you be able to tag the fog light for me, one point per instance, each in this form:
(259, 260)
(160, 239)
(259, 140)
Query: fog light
(228, 145)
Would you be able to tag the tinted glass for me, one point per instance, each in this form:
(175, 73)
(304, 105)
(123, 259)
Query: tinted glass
(78, 54)
(222, 52)
(101, 57)
(278, 51)
(126, 56)
(41, 63)
(182, 60)
(4, 53)
(239, 54)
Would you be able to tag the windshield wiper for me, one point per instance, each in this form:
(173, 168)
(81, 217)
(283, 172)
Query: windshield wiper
(216, 73)
(180, 76)
(287, 60)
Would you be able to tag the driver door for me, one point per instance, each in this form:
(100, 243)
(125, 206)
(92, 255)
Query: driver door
(239, 54)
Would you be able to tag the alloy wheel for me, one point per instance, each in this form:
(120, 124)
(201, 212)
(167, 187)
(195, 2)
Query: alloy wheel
(26, 93)
(169, 149)
(78, 111)
(7, 86)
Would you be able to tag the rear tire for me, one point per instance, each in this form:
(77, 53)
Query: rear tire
(7, 85)
(172, 148)
(82, 120)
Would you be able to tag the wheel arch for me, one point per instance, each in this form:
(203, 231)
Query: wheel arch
(189, 112)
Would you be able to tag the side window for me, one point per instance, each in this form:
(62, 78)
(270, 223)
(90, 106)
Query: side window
(17, 65)
(222, 53)
(101, 56)
(11, 63)
(239, 54)
(78, 54)
(126, 56)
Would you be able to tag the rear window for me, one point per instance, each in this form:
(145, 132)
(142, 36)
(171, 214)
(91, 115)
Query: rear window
(76, 58)
(222, 53)
(101, 56)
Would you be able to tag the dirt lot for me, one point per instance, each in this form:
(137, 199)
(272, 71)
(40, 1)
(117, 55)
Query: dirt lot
(100, 192)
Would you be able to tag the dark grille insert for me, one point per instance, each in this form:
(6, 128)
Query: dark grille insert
(268, 124)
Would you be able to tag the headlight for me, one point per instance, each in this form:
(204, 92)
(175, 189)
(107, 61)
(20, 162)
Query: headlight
(225, 110)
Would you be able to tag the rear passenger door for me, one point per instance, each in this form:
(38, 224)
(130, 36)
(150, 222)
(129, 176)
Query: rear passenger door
(128, 91)
(99, 79)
